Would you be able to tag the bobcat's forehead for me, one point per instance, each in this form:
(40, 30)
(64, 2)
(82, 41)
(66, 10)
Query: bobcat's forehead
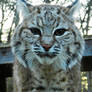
(47, 16)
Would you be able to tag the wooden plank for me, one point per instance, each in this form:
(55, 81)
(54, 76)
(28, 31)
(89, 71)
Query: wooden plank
(6, 55)
(2, 84)
(6, 70)
(88, 48)
(86, 63)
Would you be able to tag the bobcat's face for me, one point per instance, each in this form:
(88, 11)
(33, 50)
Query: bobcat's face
(49, 35)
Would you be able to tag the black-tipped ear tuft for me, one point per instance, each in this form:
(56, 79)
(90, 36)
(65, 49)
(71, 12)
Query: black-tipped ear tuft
(73, 8)
(22, 9)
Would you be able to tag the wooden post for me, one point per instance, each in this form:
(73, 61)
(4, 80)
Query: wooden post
(2, 84)
(89, 81)
(5, 71)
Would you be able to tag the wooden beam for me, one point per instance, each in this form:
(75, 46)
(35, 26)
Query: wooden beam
(86, 64)
(6, 70)
(88, 48)
(2, 84)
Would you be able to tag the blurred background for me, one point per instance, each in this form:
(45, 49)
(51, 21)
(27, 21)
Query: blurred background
(9, 20)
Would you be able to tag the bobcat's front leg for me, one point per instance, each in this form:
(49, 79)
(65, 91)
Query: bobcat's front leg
(23, 79)
(20, 78)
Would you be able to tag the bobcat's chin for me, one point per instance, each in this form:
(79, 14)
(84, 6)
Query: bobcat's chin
(46, 54)
(46, 58)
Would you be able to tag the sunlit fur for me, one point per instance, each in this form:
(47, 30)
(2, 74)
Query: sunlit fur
(66, 49)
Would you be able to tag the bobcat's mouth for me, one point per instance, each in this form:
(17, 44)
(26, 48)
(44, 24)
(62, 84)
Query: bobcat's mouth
(47, 54)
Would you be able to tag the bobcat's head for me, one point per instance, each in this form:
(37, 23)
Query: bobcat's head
(47, 34)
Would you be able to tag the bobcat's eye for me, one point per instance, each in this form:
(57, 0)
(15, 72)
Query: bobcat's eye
(59, 32)
(35, 31)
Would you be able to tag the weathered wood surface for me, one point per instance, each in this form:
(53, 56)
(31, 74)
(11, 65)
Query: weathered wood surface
(5, 71)
(86, 64)
(88, 48)
(6, 55)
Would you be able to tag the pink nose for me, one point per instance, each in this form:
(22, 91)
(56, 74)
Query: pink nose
(46, 46)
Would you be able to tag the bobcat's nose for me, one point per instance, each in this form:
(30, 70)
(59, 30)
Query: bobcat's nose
(46, 46)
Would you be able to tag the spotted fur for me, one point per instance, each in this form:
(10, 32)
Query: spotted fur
(48, 49)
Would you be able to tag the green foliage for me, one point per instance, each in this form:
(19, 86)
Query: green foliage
(9, 83)
(84, 83)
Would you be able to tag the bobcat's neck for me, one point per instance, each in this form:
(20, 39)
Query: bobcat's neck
(48, 71)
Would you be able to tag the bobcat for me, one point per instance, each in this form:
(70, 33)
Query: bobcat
(48, 49)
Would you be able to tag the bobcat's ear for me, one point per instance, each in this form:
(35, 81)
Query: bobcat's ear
(22, 9)
(73, 8)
